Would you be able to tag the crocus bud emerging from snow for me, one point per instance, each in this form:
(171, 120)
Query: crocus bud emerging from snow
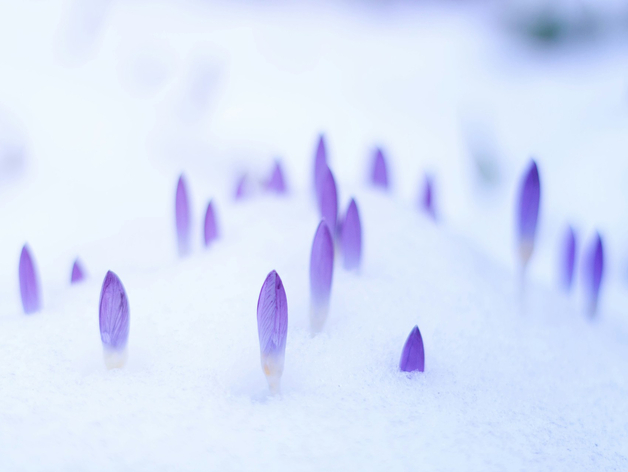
(321, 271)
(320, 164)
(78, 274)
(210, 227)
(413, 355)
(114, 321)
(182, 217)
(351, 238)
(528, 212)
(568, 259)
(276, 183)
(29, 285)
(379, 174)
(427, 200)
(328, 204)
(241, 188)
(272, 327)
(593, 272)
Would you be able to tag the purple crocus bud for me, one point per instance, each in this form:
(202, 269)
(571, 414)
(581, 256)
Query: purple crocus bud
(528, 212)
(182, 217)
(276, 183)
(328, 204)
(593, 272)
(413, 355)
(114, 321)
(29, 283)
(210, 227)
(321, 271)
(78, 274)
(427, 200)
(272, 327)
(568, 259)
(320, 164)
(379, 174)
(241, 188)
(351, 238)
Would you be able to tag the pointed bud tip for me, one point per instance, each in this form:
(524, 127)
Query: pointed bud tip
(78, 274)
(413, 354)
(321, 273)
(182, 217)
(351, 237)
(210, 229)
(328, 203)
(113, 314)
(379, 173)
(29, 283)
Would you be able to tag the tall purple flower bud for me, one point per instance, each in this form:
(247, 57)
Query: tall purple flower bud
(320, 164)
(276, 183)
(29, 283)
(321, 272)
(427, 199)
(78, 274)
(210, 228)
(593, 272)
(114, 321)
(568, 259)
(528, 212)
(182, 217)
(413, 355)
(379, 173)
(351, 238)
(328, 203)
(272, 327)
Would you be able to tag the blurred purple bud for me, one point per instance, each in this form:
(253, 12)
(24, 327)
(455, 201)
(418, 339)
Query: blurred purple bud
(114, 320)
(427, 201)
(241, 188)
(29, 284)
(328, 205)
(182, 216)
(528, 212)
(568, 259)
(351, 238)
(276, 183)
(320, 164)
(211, 229)
(379, 175)
(272, 327)
(594, 270)
(78, 274)
(321, 272)
(413, 355)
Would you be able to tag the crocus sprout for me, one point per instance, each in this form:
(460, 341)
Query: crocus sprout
(528, 213)
(210, 227)
(78, 274)
(321, 272)
(272, 327)
(568, 259)
(114, 321)
(328, 203)
(29, 283)
(379, 172)
(593, 273)
(320, 164)
(277, 182)
(351, 238)
(241, 187)
(182, 218)
(413, 355)
(427, 199)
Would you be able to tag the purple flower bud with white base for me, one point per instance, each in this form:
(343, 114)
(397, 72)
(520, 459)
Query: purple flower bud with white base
(210, 228)
(427, 200)
(320, 164)
(114, 321)
(78, 274)
(593, 272)
(272, 327)
(568, 259)
(328, 204)
(321, 272)
(182, 217)
(379, 173)
(413, 355)
(528, 212)
(276, 183)
(351, 238)
(29, 283)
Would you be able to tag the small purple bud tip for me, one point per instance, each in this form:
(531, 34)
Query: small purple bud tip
(182, 217)
(351, 238)
(594, 271)
(241, 188)
(328, 204)
(78, 274)
(276, 183)
(320, 164)
(427, 201)
(413, 355)
(528, 212)
(379, 175)
(272, 327)
(568, 259)
(210, 228)
(29, 284)
(114, 321)
(321, 272)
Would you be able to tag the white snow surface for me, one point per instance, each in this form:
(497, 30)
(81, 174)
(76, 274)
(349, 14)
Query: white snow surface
(103, 104)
